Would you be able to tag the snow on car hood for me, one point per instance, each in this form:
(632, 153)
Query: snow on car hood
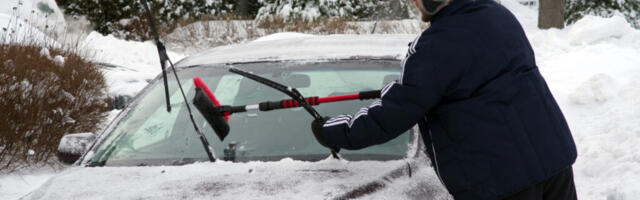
(309, 47)
(285, 179)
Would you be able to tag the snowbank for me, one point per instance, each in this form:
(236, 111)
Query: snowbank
(592, 68)
(284, 35)
(136, 62)
(11, 32)
(38, 13)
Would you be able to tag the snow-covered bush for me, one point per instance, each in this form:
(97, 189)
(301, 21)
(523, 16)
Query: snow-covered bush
(576, 9)
(126, 18)
(351, 9)
(203, 35)
(46, 90)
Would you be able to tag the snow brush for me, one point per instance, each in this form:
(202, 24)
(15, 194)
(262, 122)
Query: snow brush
(164, 58)
(218, 115)
(207, 104)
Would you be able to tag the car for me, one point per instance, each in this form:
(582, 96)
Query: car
(149, 153)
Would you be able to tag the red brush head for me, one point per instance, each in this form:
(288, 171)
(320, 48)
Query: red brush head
(200, 84)
(208, 105)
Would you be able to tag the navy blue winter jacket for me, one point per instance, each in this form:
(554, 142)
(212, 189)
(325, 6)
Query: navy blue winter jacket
(486, 115)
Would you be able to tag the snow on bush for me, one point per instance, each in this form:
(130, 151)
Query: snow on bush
(350, 9)
(46, 90)
(127, 19)
(576, 9)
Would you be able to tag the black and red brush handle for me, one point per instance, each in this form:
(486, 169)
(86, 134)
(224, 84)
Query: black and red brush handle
(290, 103)
(282, 104)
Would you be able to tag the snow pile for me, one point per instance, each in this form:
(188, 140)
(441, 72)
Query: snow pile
(35, 10)
(41, 14)
(592, 68)
(597, 89)
(283, 35)
(16, 32)
(592, 29)
(139, 61)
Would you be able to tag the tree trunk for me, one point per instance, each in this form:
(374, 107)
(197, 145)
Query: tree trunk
(243, 8)
(551, 14)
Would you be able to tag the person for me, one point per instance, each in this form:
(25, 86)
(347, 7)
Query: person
(487, 118)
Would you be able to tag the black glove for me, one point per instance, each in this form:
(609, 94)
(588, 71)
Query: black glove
(316, 127)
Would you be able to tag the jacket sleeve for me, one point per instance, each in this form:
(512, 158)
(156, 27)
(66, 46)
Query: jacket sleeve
(428, 72)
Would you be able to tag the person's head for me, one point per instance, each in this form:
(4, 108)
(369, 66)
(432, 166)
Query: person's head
(430, 8)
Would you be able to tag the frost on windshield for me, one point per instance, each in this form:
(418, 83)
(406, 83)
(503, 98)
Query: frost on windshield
(149, 135)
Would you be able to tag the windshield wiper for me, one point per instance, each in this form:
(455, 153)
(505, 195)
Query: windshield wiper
(292, 92)
(164, 58)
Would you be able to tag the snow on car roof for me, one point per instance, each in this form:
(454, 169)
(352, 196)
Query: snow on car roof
(305, 47)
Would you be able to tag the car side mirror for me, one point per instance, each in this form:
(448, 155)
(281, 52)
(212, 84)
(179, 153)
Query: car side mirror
(72, 146)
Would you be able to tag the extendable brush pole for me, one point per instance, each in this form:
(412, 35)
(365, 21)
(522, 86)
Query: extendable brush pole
(291, 103)
(292, 92)
(218, 116)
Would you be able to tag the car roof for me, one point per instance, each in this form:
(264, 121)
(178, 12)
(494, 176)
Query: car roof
(295, 47)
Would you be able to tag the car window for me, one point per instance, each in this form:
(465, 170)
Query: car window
(148, 134)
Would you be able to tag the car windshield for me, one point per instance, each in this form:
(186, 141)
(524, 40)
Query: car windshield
(149, 135)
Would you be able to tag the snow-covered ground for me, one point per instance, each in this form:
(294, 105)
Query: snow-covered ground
(591, 68)
(37, 13)
(15, 185)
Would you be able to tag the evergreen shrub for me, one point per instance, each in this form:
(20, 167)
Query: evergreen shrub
(576, 9)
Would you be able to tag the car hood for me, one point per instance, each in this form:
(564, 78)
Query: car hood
(285, 179)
